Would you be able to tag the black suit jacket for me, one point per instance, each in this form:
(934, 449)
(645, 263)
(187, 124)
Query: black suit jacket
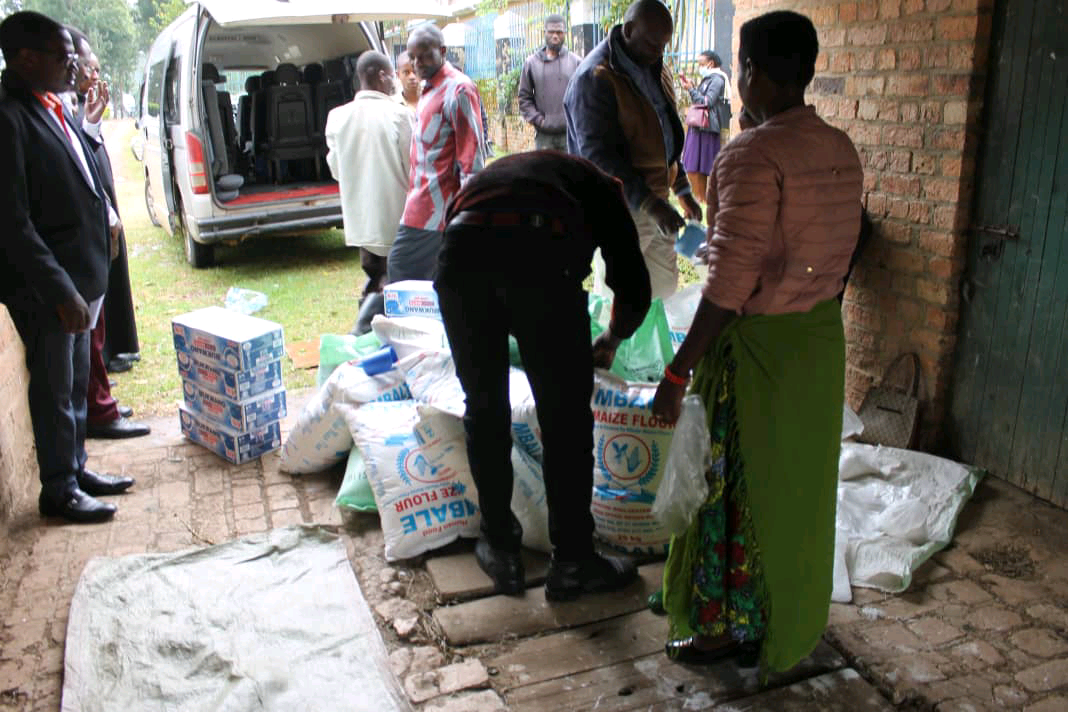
(55, 236)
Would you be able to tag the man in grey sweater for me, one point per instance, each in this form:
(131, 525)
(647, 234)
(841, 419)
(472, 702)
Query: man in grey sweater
(542, 84)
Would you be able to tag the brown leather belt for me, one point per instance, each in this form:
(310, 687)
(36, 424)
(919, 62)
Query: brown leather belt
(494, 219)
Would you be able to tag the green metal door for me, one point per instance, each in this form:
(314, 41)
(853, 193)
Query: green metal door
(1010, 395)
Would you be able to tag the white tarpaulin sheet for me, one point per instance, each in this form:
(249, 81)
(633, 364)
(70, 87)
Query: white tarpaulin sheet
(896, 508)
(274, 621)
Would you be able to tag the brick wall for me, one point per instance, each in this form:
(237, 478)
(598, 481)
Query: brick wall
(514, 136)
(905, 79)
(19, 480)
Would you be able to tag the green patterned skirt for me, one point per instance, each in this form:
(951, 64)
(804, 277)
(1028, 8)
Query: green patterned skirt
(756, 562)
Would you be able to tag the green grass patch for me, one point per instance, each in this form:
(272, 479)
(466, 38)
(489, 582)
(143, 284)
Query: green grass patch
(312, 283)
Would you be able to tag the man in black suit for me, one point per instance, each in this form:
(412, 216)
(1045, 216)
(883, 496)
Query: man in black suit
(105, 417)
(55, 219)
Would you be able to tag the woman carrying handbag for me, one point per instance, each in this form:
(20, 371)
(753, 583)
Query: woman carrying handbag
(706, 117)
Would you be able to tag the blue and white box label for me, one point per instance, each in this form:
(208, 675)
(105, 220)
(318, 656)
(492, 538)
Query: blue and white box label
(236, 342)
(254, 413)
(226, 443)
(411, 297)
(238, 386)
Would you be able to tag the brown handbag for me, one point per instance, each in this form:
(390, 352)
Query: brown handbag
(889, 411)
(697, 116)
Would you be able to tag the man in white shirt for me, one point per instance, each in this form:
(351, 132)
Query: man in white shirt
(368, 143)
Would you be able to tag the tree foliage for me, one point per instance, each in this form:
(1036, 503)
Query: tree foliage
(109, 24)
(154, 15)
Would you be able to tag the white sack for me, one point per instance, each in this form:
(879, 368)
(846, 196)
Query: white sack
(680, 308)
(422, 485)
(431, 376)
(321, 437)
(528, 500)
(895, 509)
(410, 334)
(852, 426)
(630, 447)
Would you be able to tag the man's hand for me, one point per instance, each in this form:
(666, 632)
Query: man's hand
(667, 403)
(116, 233)
(73, 315)
(691, 207)
(667, 220)
(604, 349)
(96, 101)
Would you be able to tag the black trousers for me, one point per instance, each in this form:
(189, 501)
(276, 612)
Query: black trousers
(485, 294)
(58, 363)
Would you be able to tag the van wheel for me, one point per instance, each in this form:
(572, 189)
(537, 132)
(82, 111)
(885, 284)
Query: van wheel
(196, 254)
(149, 205)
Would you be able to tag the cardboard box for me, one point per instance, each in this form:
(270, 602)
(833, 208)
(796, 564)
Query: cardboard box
(238, 386)
(233, 341)
(226, 443)
(411, 297)
(256, 412)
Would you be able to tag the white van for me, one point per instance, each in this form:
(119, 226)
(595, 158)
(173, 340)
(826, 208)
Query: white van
(233, 103)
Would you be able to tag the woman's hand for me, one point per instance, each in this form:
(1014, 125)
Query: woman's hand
(667, 403)
(685, 82)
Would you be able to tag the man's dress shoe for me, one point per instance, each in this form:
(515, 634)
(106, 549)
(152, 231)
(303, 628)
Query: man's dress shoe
(125, 411)
(505, 568)
(98, 484)
(117, 365)
(118, 428)
(77, 506)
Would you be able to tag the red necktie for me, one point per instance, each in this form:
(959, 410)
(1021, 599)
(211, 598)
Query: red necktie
(53, 104)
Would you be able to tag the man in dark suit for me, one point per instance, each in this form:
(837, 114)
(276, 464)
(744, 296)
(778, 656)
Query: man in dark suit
(105, 417)
(55, 217)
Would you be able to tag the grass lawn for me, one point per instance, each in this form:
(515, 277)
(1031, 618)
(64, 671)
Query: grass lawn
(312, 283)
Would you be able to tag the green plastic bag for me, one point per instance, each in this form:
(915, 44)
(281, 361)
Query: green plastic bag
(355, 492)
(644, 355)
(336, 349)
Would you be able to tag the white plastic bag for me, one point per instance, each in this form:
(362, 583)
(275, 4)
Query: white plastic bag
(422, 483)
(684, 488)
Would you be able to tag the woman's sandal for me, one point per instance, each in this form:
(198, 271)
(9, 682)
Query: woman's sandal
(686, 651)
(745, 655)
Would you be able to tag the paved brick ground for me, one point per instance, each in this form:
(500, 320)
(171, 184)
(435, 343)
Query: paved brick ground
(984, 626)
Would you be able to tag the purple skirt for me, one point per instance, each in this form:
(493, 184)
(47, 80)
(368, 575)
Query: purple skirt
(700, 150)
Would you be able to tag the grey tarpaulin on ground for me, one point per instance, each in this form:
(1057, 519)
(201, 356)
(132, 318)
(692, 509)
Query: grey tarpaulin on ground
(273, 621)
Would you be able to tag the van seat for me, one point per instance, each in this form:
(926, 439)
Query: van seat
(221, 151)
(290, 121)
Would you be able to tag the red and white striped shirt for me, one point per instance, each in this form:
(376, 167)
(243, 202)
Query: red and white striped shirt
(446, 147)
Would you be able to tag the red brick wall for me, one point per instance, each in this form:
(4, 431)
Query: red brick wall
(513, 136)
(905, 79)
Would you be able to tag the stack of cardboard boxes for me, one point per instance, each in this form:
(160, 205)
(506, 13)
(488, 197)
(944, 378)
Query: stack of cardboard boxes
(232, 386)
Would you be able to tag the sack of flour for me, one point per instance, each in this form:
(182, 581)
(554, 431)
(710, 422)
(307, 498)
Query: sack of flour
(321, 437)
(528, 500)
(431, 377)
(416, 462)
(630, 448)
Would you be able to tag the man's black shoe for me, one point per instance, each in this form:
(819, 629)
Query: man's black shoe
(569, 579)
(135, 356)
(118, 428)
(125, 411)
(503, 567)
(98, 484)
(118, 365)
(77, 506)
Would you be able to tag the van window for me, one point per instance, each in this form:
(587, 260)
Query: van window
(155, 88)
(174, 74)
